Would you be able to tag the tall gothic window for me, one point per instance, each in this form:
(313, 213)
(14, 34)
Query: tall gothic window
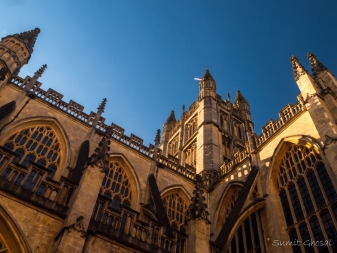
(176, 208)
(308, 198)
(37, 144)
(116, 186)
(248, 236)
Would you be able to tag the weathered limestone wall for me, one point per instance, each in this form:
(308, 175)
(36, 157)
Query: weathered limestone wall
(39, 227)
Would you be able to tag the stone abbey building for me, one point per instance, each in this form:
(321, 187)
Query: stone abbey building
(72, 183)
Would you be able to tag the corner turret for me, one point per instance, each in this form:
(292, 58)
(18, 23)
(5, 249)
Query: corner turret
(207, 86)
(15, 51)
(242, 105)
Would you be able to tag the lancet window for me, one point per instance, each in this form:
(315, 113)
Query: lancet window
(248, 236)
(191, 155)
(174, 146)
(176, 208)
(37, 144)
(191, 128)
(308, 198)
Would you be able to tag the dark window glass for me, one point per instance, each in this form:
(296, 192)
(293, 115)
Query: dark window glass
(286, 208)
(309, 207)
(294, 241)
(296, 202)
(305, 237)
(249, 242)
(240, 240)
(315, 189)
(318, 235)
(20, 178)
(326, 182)
(233, 245)
(116, 204)
(6, 173)
(255, 230)
(329, 227)
(41, 189)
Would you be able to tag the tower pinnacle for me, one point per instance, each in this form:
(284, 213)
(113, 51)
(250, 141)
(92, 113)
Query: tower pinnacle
(171, 118)
(316, 66)
(29, 38)
(101, 107)
(298, 69)
(36, 76)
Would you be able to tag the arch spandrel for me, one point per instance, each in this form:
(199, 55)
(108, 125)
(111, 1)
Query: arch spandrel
(11, 235)
(51, 125)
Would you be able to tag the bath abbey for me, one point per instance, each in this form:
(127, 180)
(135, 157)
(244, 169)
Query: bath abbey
(70, 182)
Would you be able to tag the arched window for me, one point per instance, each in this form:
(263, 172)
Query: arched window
(37, 144)
(308, 198)
(176, 208)
(116, 185)
(248, 237)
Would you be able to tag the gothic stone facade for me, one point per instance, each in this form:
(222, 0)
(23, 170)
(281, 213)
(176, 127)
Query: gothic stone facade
(71, 183)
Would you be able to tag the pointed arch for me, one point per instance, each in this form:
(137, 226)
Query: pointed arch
(55, 128)
(11, 233)
(176, 201)
(226, 203)
(133, 184)
(301, 180)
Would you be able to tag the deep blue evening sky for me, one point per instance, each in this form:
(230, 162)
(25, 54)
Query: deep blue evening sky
(142, 55)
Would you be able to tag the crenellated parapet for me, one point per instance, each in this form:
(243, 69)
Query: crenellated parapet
(285, 115)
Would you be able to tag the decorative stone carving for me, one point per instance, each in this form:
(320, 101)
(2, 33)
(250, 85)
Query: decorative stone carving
(316, 66)
(297, 68)
(100, 157)
(197, 210)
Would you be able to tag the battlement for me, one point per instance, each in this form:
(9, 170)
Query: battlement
(285, 115)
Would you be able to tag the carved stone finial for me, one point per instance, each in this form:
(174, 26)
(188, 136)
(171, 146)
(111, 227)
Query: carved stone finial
(29, 37)
(101, 155)
(41, 70)
(102, 105)
(207, 75)
(316, 66)
(3, 73)
(297, 68)
(183, 109)
(197, 210)
(171, 118)
(157, 139)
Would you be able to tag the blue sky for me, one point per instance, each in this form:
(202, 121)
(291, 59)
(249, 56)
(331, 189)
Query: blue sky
(142, 55)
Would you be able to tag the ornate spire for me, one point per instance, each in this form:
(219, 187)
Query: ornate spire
(298, 69)
(207, 75)
(102, 105)
(171, 118)
(239, 98)
(197, 210)
(29, 38)
(41, 70)
(316, 66)
(36, 76)
(157, 139)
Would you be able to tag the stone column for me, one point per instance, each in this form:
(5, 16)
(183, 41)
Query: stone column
(198, 236)
(198, 228)
(72, 236)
